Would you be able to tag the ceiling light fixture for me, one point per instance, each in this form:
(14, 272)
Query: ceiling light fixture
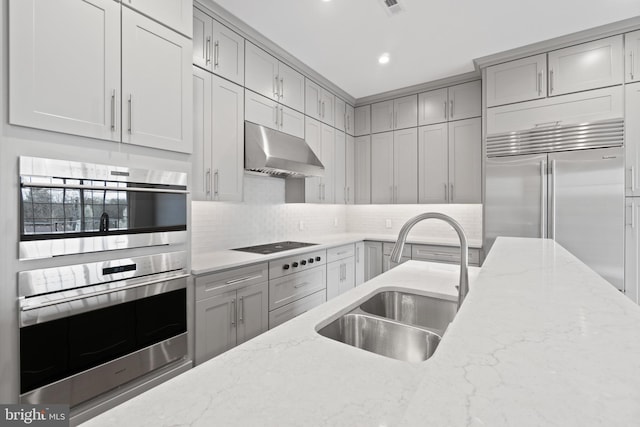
(384, 58)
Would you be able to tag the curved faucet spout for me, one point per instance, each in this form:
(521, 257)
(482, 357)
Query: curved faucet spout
(396, 253)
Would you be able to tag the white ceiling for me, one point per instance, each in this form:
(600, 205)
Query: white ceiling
(429, 40)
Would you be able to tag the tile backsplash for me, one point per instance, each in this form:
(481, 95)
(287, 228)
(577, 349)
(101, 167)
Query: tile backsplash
(264, 217)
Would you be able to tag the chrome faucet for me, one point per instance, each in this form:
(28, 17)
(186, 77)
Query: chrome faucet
(396, 253)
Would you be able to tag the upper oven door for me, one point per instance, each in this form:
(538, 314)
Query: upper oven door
(68, 208)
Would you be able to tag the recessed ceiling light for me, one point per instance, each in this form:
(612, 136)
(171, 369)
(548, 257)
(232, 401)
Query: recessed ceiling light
(326, 1)
(384, 58)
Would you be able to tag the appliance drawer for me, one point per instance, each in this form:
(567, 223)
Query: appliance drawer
(296, 308)
(290, 288)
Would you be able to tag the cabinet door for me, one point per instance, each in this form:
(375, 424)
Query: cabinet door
(227, 140)
(382, 167)
(340, 115)
(202, 39)
(261, 110)
(433, 107)
(291, 122)
(328, 154)
(433, 159)
(363, 169)
(201, 183)
(349, 169)
(64, 66)
(327, 106)
(465, 160)
(350, 120)
(362, 120)
(359, 264)
(465, 101)
(372, 260)
(261, 71)
(632, 140)
(516, 81)
(253, 311)
(405, 166)
(348, 275)
(215, 326)
(632, 49)
(586, 66)
(339, 164)
(334, 277)
(175, 14)
(405, 112)
(158, 109)
(632, 250)
(388, 265)
(313, 100)
(227, 54)
(382, 117)
(313, 137)
(291, 87)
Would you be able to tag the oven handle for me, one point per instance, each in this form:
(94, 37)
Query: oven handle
(110, 188)
(98, 293)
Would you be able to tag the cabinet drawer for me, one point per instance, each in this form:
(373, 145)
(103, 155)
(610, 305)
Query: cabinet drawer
(388, 247)
(447, 254)
(225, 281)
(295, 286)
(296, 308)
(340, 252)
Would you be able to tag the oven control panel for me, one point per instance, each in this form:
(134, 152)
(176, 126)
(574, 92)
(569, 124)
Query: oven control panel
(295, 263)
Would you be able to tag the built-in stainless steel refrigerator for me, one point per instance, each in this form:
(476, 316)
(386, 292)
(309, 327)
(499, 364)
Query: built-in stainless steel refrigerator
(567, 189)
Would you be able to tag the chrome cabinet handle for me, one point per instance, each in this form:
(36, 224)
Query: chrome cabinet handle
(216, 54)
(276, 111)
(632, 215)
(540, 83)
(543, 199)
(445, 110)
(446, 193)
(243, 279)
(299, 285)
(632, 65)
(130, 102)
(323, 110)
(207, 181)
(281, 88)
(113, 110)
(451, 115)
(282, 117)
(215, 182)
(451, 198)
(241, 310)
(233, 312)
(276, 90)
(324, 192)
(207, 51)
(319, 107)
(550, 81)
(357, 254)
(396, 118)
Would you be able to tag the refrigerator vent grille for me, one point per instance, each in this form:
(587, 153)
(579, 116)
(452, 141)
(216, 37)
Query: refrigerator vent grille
(547, 139)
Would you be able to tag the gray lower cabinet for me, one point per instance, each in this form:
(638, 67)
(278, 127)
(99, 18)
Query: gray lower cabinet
(372, 259)
(296, 308)
(340, 270)
(386, 256)
(445, 254)
(360, 263)
(231, 308)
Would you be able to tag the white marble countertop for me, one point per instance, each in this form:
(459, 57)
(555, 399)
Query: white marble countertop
(209, 262)
(541, 340)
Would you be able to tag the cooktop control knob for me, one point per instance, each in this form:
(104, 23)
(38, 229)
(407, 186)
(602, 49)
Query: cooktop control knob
(310, 260)
(303, 262)
(294, 264)
(285, 267)
(318, 258)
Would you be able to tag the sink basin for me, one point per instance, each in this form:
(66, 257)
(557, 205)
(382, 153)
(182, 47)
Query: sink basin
(419, 310)
(384, 337)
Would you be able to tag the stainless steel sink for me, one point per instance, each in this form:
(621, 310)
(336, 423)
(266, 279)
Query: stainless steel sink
(419, 310)
(384, 337)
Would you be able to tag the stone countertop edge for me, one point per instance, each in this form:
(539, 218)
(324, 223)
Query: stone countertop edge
(541, 340)
(213, 261)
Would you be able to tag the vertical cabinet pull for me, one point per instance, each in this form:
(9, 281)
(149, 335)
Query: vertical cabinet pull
(276, 110)
(632, 72)
(130, 103)
(319, 108)
(445, 110)
(276, 90)
(241, 310)
(631, 215)
(540, 83)
(215, 182)
(281, 87)
(233, 312)
(282, 117)
(207, 51)
(207, 181)
(451, 115)
(113, 110)
(550, 81)
(216, 54)
(446, 192)
(451, 196)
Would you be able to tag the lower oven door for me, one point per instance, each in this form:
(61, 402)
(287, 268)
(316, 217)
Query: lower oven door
(108, 340)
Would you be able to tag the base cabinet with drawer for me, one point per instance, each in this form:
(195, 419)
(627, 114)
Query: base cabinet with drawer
(340, 270)
(231, 308)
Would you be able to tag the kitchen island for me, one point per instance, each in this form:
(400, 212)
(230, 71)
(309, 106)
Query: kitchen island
(541, 340)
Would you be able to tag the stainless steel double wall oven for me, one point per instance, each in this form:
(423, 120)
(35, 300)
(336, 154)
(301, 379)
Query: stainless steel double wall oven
(88, 328)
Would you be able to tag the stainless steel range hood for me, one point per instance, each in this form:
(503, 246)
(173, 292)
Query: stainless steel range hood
(278, 154)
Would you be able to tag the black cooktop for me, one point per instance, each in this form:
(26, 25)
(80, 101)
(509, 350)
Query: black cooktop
(271, 248)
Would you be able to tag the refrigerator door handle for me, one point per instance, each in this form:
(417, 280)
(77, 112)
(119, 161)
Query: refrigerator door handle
(552, 216)
(543, 199)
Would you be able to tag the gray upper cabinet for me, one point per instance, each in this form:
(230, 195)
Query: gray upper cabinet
(382, 116)
(319, 103)
(340, 120)
(362, 121)
(350, 120)
(632, 47)
(216, 48)
(271, 78)
(363, 169)
(465, 160)
(515, 81)
(457, 102)
(400, 113)
(175, 14)
(433, 157)
(586, 66)
(632, 140)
